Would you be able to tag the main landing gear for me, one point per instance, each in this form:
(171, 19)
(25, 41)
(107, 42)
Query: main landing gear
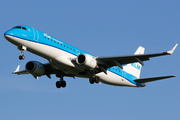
(61, 83)
(94, 79)
(22, 48)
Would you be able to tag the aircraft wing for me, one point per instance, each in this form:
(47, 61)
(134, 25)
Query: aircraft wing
(49, 69)
(108, 62)
(19, 72)
(144, 80)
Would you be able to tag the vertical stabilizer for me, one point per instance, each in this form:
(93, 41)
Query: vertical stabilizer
(135, 68)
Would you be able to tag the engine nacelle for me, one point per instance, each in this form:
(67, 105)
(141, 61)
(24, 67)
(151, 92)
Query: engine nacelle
(86, 61)
(35, 68)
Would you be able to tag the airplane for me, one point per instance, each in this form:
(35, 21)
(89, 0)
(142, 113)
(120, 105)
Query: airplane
(68, 61)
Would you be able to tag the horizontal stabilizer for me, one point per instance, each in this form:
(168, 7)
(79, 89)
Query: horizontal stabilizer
(144, 80)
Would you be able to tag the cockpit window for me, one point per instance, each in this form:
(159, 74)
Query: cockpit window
(24, 28)
(19, 27)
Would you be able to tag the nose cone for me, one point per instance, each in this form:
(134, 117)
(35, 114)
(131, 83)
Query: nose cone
(8, 33)
(9, 36)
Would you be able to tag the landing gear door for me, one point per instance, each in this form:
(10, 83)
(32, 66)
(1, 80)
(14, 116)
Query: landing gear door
(36, 35)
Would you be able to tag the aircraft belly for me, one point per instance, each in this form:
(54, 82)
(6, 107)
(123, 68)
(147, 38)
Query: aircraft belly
(113, 79)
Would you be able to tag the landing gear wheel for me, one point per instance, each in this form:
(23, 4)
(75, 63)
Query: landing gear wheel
(58, 84)
(91, 80)
(21, 57)
(22, 48)
(63, 84)
(96, 79)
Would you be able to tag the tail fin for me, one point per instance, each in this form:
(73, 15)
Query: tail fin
(135, 68)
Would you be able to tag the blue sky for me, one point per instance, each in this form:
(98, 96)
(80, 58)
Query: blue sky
(102, 28)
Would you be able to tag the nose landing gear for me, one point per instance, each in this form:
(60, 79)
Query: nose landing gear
(22, 48)
(21, 57)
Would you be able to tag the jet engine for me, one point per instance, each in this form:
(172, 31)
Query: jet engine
(86, 61)
(35, 68)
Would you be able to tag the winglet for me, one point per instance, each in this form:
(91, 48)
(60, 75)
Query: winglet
(17, 69)
(172, 50)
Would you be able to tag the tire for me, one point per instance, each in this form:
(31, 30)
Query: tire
(21, 57)
(96, 79)
(63, 84)
(58, 84)
(91, 80)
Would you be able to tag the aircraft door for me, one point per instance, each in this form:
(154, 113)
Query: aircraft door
(36, 35)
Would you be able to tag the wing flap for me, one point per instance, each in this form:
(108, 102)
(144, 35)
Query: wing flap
(144, 80)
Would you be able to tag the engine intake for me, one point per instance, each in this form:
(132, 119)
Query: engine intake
(81, 59)
(35, 68)
(86, 61)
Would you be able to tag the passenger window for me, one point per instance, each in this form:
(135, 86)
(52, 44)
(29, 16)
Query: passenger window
(49, 38)
(55, 41)
(71, 48)
(64, 45)
(67, 47)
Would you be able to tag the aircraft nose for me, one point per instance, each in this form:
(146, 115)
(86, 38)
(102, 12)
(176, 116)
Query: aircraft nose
(8, 33)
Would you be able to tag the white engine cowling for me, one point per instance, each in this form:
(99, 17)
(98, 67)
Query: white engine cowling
(35, 68)
(86, 61)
